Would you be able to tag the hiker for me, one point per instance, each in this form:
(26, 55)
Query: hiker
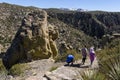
(92, 55)
(84, 54)
(70, 59)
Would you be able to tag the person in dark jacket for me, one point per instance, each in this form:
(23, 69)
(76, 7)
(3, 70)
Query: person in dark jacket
(84, 54)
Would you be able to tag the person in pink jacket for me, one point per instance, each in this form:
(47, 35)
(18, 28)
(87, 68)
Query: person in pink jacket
(92, 55)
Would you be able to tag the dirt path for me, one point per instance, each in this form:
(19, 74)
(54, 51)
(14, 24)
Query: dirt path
(41, 70)
(71, 72)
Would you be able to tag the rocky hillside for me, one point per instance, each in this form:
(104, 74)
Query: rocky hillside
(76, 28)
(10, 21)
(96, 23)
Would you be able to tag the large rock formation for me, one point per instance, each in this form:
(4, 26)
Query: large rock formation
(34, 40)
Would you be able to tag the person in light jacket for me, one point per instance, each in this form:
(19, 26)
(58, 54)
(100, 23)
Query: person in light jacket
(92, 55)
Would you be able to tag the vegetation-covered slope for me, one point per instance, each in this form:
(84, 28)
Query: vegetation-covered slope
(71, 24)
(94, 23)
(10, 20)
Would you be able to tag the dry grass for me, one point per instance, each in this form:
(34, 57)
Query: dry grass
(18, 69)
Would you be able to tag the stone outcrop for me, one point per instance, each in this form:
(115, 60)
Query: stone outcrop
(64, 47)
(35, 39)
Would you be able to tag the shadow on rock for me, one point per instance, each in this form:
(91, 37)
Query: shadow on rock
(77, 65)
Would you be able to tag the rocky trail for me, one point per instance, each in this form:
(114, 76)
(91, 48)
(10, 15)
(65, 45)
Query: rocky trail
(46, 69)
(71, 72)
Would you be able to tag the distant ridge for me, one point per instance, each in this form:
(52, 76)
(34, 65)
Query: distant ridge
(73, 9)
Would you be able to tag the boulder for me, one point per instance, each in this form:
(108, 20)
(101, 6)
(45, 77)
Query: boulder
(35, 39)
(63, 47)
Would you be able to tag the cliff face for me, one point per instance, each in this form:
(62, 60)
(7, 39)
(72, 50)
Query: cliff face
(92, 23)
(110, 20)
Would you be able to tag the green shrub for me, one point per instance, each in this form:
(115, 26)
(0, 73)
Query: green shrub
(3, 71)
(111, 68)
(92, 75)
(109, 52)
(2, 68)
(109, 61)
(18, 69)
